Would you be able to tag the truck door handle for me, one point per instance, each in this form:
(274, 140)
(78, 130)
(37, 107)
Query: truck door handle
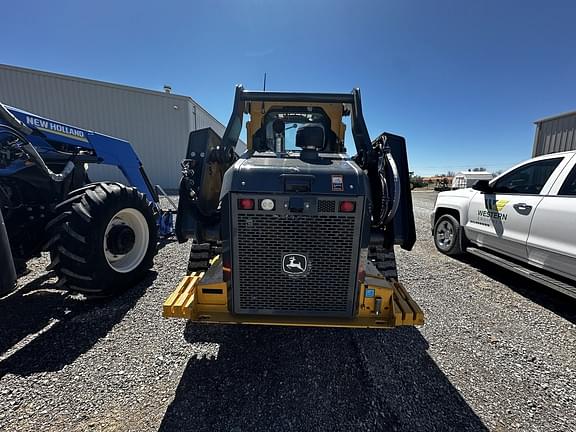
(523, 208)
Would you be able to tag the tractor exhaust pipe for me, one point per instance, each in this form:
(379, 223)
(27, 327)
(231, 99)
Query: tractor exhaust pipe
(7, 270)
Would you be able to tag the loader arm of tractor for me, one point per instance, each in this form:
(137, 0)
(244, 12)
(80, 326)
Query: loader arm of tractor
(77, 145)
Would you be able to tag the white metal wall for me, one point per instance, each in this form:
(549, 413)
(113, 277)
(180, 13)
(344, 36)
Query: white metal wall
(157, 124)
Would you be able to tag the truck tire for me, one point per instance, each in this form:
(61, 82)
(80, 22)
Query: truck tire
(103, 240)
(448, 235)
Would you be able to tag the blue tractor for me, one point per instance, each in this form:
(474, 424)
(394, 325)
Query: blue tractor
(102, 236)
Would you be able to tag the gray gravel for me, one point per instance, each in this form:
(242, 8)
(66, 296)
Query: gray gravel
(496, 353)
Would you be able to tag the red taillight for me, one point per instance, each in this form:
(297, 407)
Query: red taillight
(246, 204)
(347, 206)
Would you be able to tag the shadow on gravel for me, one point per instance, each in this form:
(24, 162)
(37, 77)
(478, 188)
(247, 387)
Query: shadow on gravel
(298, 379)
(44, 329)
(165, 241)
(554, 301)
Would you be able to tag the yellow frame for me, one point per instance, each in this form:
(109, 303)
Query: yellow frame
(208, 303)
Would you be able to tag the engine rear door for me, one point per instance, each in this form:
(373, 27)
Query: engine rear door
(552, 240)
(501, 220)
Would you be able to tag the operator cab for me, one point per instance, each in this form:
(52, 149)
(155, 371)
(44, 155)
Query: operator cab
(295, 131)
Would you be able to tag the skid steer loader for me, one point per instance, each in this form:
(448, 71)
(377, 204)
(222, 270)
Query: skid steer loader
(294, 231)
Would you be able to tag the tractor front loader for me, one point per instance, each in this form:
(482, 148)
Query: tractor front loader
(294, 231)
(102, 237)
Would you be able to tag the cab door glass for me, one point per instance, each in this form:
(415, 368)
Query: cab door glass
(569, 186)
(528, 179)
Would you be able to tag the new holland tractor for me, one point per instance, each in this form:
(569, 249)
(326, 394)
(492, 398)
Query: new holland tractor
(295, 231)
(101, 236)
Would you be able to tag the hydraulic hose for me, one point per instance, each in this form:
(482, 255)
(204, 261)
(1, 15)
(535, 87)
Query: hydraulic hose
(29, 148)
(397, 187)
(31, 151)
(385, 201)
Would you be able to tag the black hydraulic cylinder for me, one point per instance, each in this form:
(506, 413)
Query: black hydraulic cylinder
(7, 270)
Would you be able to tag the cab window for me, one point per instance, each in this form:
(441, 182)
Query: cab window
(528, 179)
(280, 128)
(569, 186)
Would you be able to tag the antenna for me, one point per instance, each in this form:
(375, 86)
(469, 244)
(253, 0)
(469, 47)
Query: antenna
(264, 90)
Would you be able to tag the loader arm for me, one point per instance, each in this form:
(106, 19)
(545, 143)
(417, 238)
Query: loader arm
(79, 145)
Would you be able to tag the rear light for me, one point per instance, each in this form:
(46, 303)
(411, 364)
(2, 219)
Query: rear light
(347, 206)
(267, 204)
(246, 204)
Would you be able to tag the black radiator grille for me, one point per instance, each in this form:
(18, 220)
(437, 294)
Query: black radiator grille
(326, 206)
(326, 240)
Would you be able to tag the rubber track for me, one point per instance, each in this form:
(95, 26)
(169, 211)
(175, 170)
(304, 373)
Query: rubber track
(384, 260)
(201, 254)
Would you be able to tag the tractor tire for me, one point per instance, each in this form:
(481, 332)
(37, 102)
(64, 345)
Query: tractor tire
(103, 240)
(448, 235)
(384, 260)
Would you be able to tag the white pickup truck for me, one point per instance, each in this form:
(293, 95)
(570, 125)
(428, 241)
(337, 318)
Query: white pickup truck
(522, 220)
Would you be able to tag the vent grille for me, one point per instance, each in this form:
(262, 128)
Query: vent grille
(325, 206)
(328, 242)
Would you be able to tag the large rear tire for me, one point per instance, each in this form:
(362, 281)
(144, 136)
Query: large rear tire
(104, 239)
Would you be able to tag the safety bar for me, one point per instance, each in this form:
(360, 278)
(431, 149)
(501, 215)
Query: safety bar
(258, 96)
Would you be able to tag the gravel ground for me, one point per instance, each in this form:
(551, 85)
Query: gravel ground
(497, 353)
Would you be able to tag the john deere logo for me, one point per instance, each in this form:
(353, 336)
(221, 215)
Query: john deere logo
(295, 264)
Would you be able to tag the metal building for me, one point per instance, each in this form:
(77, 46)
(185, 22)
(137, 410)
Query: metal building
(466, 179)
(555, 134)
(156, 123)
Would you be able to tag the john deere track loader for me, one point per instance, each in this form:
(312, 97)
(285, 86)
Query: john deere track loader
(294, 231)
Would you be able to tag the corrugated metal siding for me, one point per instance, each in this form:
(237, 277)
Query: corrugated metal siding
(156, 124)
(555, 135)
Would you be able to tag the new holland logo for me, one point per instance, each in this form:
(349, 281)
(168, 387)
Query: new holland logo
(295, 264)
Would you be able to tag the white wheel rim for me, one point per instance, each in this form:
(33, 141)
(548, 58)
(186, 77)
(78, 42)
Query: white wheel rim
(445, 235)
(135, 220)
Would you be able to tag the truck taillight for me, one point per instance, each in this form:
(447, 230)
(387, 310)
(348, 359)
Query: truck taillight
(246, 204)
(347, 206)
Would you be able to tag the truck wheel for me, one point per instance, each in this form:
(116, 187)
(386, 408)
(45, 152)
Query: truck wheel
(104, 238)
(447, 235)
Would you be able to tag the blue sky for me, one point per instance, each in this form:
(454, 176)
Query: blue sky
(461, 80)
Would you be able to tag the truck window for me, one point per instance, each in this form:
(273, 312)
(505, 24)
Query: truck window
(569, 186)
(528, 179)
